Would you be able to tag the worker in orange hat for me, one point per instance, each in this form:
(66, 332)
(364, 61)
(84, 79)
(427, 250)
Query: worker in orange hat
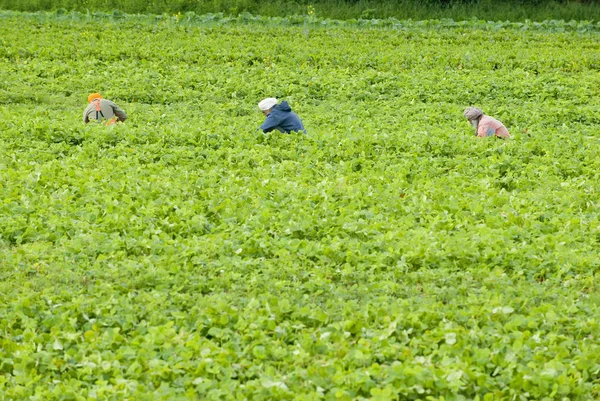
(102, 110)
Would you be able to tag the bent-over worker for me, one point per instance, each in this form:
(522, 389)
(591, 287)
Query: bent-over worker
(485, 125)
(102, 110)
(279, 117)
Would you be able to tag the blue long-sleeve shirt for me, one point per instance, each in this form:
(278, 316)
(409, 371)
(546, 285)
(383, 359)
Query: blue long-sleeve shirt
(283, 119)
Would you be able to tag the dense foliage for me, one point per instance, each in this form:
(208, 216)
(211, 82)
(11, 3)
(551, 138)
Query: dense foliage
(497, 10)
(387, 255)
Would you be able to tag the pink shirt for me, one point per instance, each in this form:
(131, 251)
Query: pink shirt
(489, 126)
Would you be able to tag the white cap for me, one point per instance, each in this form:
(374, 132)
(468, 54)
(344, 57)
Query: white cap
(267, 103)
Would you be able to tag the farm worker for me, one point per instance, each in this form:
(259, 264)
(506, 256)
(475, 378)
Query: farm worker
(279, 117)
(485, 125)
(103, 110)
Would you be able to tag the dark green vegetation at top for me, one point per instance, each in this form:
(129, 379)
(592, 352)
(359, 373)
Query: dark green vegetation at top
(386, 255)
(517, 10)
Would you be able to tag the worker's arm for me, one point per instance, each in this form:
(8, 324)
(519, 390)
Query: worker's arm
(119, 112)
(85, 116)
(270, 123)
(482, 132)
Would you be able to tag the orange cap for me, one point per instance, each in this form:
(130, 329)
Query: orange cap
(94, 96)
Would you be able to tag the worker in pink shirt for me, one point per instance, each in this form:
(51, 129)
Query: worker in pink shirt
(485, 125)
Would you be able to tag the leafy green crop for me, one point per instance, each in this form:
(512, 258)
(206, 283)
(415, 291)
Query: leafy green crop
(387, 255)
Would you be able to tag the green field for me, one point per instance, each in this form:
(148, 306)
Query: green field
(387, 254)
(495, 10)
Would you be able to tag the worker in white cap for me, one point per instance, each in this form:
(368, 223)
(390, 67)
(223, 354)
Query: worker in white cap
(485, 125)
(280, 117)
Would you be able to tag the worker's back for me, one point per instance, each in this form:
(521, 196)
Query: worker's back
(489, 126)
(283, 119)
(102, 109)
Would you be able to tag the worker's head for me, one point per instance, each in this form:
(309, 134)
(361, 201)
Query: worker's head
(266, 105)
(94, 96)
(473, 114)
